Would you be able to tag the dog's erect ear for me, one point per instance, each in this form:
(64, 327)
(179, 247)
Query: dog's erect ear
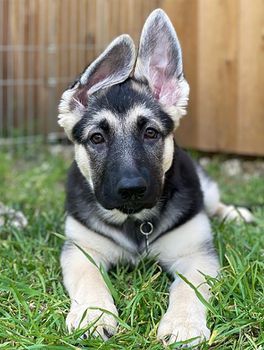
(160, 63)
(113, 66)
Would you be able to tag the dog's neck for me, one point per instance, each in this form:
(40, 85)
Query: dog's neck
(181, 199)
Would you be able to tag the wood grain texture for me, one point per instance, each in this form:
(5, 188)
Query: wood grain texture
(250, 126)
(217, 74)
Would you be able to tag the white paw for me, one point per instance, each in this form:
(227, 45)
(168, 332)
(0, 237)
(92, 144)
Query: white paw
(100, 323)
(230, 213)
(172, 329)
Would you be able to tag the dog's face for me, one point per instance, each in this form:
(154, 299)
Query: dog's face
(121, 114)
(123, 135)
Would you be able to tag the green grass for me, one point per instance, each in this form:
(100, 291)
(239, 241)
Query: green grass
(33, 302)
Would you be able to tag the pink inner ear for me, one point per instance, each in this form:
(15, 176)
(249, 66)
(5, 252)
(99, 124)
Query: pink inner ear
(165, 90)
(170, 92)
(100, 75)
(156, 82)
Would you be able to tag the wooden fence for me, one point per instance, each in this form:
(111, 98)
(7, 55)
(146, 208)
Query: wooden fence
(44, 44)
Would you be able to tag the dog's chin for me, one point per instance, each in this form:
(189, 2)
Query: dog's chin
(130, 209)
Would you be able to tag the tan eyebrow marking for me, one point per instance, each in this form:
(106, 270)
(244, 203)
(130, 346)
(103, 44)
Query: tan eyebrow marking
(140, 111)
(98, 117)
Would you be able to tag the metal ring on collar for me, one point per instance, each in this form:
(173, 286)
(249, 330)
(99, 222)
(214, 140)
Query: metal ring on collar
(150, 225)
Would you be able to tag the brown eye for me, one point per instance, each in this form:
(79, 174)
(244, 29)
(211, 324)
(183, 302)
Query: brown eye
(97, 138)
(150, 133)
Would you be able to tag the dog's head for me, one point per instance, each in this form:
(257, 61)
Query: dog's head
(121, 114)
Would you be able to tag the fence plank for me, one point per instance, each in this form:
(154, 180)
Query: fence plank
(250, 131)
(217, 74)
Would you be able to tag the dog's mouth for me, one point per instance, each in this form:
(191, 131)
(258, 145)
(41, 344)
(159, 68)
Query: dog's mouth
(133, 208)
(129, 210)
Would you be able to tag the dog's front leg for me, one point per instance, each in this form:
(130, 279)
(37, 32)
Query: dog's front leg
(88, 292)
(186, 315)
(187, 251)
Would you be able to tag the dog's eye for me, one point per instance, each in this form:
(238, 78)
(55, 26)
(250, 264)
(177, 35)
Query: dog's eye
(150, 133)
(97, 138)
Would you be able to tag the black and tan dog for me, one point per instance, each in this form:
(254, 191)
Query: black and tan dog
(131, 188)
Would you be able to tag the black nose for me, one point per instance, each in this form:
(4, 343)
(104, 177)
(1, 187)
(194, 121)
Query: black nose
(132, 188)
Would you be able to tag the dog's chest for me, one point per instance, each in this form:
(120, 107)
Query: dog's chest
(132, 229)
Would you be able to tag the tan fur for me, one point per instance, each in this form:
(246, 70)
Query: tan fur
(139, 87)
(87, 290)
(168, 153)
(213, 205)
(230, 213)
(97, 117)
(68, 117)
(180, 251)
(83, 279)
(83, 162)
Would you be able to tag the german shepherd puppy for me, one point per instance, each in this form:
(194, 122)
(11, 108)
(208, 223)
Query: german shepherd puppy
(131, 188)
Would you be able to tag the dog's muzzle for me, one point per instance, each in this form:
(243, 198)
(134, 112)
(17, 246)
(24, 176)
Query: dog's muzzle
(132, 189)
(131, 192)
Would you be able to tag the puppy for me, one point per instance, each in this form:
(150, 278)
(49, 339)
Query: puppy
(131, 189)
